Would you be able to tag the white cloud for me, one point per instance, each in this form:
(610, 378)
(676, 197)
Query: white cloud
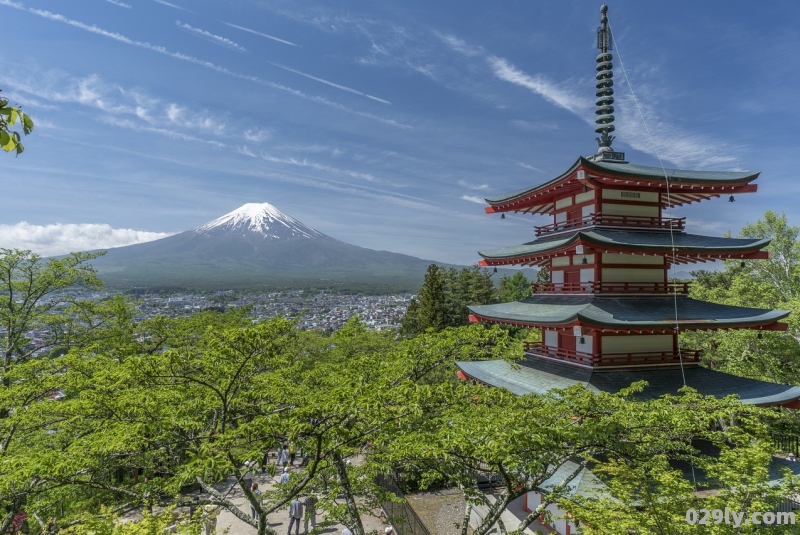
(196, 61)
(256, 135)
(465, 184)
(214, 38)
(173, 6)
(472, 198)
(332, 84)
(58, 239)
(526, 166)
(118, 3)
(260, 33)
(538, 84)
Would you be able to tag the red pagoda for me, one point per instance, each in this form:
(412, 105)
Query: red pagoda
(609, 315)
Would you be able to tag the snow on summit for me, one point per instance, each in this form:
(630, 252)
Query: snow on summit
(262, 218)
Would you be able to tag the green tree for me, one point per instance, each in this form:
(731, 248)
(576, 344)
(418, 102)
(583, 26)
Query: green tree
(444, 296)
(770, 283)
(513, 288)
(9, 115)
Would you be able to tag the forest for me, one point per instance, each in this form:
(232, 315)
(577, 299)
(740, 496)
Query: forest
(119, 414)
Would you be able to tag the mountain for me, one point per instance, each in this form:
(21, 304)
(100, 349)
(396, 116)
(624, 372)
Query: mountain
(258, 247)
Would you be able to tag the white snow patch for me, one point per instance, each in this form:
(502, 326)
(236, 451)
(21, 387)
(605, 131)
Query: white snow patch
(261, 218)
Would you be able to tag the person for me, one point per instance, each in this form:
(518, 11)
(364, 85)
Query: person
(285, 475)
(292, 452)
(210, 514)
(311, 513)
(247, 475)
(256, 493)
(791, 457)
(283, 455)
(295, 514)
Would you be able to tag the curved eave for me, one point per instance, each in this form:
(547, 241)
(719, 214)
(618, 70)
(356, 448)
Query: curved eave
(536, 251)
(687, 186)
(539, 377)
(631, 313)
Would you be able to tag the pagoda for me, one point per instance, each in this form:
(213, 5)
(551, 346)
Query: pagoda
(609, 315)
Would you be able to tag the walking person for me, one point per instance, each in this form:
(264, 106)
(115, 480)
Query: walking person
(295, 515)
(285, 475)
(247, 475)
(283, 455)
(292, 452)
(257, 494)
(311, 513)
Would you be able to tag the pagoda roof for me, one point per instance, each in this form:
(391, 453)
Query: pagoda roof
(686, 185)
(535, 376)
(625, 313)
(624, 241)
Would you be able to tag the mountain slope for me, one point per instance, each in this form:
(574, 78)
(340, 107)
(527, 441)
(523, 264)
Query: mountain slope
(258, 246)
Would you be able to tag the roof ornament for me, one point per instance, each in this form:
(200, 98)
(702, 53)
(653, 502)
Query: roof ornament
(605, 93)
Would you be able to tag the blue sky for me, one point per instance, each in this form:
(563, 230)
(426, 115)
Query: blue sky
(382, 124)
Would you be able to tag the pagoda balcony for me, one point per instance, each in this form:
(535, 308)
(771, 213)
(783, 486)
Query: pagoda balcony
(615, 221)
(611, 288)
(647, 358)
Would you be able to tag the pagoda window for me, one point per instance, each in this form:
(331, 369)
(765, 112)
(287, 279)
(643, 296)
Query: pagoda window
(550, 339)
(587, 275)
(637, 343)
(561, 261)
(557, 277)
(637, 210)
(632, 275)
(616, 258)
(631, 196)
(584, 197)
(586, 346)
(561, 217)
(563, 203)
(586, 211)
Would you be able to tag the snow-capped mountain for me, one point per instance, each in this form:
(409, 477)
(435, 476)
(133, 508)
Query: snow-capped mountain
(261, 218)
(257, 245)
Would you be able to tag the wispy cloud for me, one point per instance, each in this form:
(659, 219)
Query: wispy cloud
(173, 6)
(268, 36)
(526, 166)
(214, 38)
(256, 135)
(473, 198)
(118, 3)
(539, 84)
(202, 63)
(465, 184)
(320, 167)
(59, 238)
(328, 82)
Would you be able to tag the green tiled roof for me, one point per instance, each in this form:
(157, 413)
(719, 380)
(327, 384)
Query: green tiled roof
(643, 171)
(539, 376)
(643, 240)
(627, 312)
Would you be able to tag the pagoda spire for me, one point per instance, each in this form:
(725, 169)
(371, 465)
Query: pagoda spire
(604, 85)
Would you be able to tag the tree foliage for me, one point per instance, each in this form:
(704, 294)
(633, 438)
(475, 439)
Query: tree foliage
(444, 296)
(9, 116)
(513, 288)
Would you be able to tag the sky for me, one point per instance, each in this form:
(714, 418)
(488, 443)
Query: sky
(382, 124)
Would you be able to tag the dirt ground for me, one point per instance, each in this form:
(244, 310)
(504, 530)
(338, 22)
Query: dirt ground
(441, 512)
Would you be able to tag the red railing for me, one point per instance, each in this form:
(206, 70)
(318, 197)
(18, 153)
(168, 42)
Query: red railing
(643, 358)
(595, 220)
(611, 287)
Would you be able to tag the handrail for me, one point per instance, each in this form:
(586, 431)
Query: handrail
(613, 359)
(595, 287)
(600, 219)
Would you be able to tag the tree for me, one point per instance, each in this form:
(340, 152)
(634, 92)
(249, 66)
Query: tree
(9, 115)
(513, 288)
(444, 296)
(769, 283)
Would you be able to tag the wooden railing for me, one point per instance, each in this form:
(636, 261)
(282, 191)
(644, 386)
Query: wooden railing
(595, 220)
(594, 287)
(643, 358)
